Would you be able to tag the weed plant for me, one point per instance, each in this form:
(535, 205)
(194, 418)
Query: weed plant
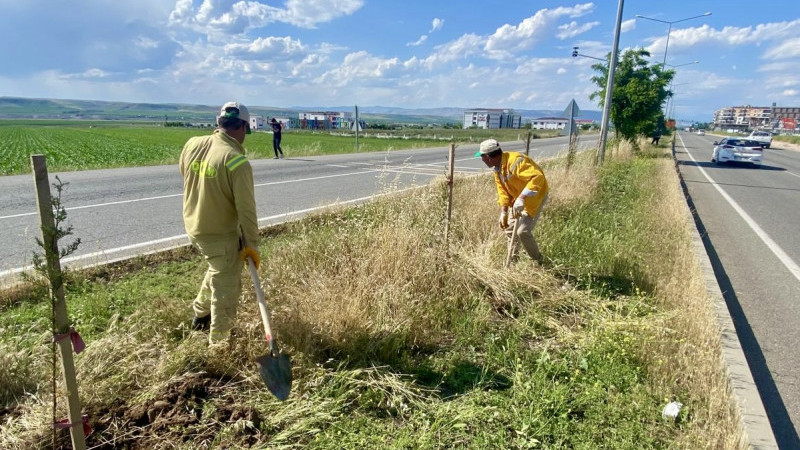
(400, 340)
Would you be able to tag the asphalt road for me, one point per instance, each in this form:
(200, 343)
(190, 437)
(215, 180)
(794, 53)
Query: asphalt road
(749, 218)
(121, 213)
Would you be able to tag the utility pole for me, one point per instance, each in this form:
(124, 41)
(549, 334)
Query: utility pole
(612, 66)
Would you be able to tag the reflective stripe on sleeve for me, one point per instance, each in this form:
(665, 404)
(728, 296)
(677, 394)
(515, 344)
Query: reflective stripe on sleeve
(236, 162)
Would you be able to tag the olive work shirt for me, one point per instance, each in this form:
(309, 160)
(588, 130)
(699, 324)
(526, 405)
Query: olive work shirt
(218, 191)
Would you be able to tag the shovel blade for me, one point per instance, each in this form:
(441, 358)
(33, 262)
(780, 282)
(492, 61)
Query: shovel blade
(276, 371)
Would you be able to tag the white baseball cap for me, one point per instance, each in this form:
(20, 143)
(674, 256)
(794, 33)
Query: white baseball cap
(234, 110)
(487, 146)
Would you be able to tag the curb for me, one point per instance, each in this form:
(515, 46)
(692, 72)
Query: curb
(756, 429)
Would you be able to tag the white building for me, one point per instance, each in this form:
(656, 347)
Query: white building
(549, 123)
(492, 118)
(257, 122)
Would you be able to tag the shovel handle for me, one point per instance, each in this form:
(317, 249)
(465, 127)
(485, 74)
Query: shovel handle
(513, 242)
(262, 307)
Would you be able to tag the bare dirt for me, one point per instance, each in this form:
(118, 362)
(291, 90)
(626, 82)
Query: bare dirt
(192, 408)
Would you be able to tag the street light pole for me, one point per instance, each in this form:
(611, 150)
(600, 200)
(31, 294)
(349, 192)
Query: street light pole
(612, 66)
(669, 30)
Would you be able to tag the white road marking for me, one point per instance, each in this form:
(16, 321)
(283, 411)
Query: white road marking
(787, 261)
(152, 243)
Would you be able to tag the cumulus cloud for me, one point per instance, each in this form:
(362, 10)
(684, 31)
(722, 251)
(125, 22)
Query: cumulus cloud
(727, 36)
(358, 66)
(437, 24)
(232, 16)
(572, 29)
(509, 39)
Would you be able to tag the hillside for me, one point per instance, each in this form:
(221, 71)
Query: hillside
(36, 108)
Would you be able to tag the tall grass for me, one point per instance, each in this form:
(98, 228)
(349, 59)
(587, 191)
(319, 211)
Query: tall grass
(402, 340)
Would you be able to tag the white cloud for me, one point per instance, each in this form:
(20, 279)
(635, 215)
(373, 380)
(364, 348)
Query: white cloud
(627, 25)
(268, 48)
(510, 39)
(437, 24)
(788, 49)
(359, 66)
(419, 41)
(235, 17)
(466, 45)
(790, 92)
(728, 36)
(88, 74)
(573, 29)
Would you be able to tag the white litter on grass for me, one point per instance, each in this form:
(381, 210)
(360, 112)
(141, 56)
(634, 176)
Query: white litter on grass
(672, 410)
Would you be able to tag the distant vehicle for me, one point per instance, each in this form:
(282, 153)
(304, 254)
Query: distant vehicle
(701, 133)
(733, 149)
(763, 137)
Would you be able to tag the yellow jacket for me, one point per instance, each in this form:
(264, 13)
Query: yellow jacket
(218, 192)
(517, 172)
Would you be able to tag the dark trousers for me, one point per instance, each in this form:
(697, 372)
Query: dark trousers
(276, 144)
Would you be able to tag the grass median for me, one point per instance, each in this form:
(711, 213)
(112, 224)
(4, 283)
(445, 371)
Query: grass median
(402, 340)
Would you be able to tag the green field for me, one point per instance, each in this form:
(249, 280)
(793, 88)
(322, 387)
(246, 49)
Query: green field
(81, 145)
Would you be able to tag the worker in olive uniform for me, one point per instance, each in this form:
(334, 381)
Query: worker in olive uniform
(219, 213)
(521, 186)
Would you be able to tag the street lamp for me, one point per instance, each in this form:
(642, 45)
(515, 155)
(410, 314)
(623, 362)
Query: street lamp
(575, 54)
(670, 28)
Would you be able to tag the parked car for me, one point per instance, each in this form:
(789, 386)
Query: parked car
(737, 149)
(763, 137)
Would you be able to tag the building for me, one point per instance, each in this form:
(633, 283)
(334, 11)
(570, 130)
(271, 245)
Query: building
(325, 120)
(257, 122)
(549, 123)
(745, 118)
(492, 118)
(785, 118)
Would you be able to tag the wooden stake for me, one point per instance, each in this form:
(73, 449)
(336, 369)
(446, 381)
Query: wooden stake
(56, 277)
(450, 166)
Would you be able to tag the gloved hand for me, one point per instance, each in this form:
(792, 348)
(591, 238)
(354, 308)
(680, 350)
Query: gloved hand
(519, 206)
(250, 252)
(503, 221)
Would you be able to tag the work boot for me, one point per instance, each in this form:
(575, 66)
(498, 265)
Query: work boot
(201, 323)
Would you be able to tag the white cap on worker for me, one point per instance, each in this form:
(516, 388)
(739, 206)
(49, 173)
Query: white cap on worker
(487, 146)
(234, 110)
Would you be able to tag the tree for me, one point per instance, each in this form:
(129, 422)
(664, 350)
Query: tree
(639, 92)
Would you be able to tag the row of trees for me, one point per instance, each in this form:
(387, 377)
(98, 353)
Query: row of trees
(640, 91)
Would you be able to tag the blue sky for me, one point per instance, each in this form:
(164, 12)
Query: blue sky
(413, 54)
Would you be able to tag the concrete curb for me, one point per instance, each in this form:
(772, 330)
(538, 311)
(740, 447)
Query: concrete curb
(755, 424)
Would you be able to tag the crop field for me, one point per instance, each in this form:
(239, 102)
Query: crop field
(83, 145)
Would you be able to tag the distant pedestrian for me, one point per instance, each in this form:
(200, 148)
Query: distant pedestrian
(276, 139)
(521, 186)
(656, 137)
(219, 214)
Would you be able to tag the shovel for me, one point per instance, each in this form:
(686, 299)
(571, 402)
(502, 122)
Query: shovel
(274, 367)
(512, 244)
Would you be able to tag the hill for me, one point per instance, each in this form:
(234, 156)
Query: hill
(36, 108)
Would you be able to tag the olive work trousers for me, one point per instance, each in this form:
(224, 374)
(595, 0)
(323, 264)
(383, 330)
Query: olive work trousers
(222, 285)
(525, 234)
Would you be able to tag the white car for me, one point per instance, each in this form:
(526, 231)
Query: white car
(701, 133)
(737, 150)
(762, 137)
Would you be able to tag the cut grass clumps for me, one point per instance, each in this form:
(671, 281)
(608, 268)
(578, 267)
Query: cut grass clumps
(399, 339)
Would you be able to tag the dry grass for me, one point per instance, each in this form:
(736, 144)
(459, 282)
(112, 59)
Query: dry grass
(371, 300)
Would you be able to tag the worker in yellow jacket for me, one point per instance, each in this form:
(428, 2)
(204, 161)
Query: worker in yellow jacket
(522, 187)
(219, 214)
